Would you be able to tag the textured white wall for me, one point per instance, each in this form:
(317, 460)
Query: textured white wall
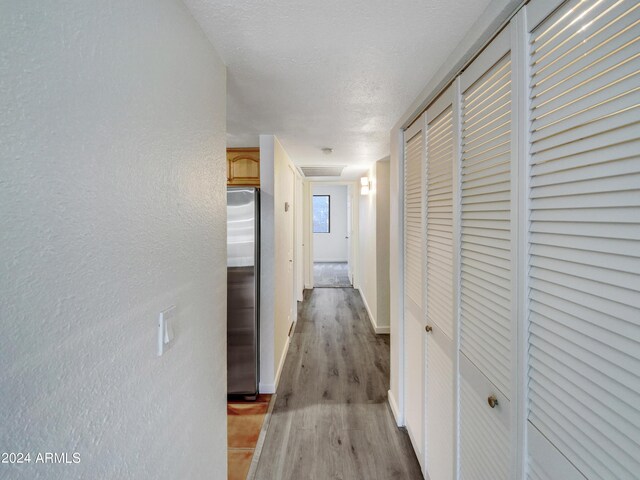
(112, 203)
(367, 248)
(332, 246)
(382, 243)
(374, 246)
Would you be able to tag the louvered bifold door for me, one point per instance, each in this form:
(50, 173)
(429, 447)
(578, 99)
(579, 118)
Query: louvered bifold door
(440, 292)
(413, 285)
(486, 301)
(584, 356)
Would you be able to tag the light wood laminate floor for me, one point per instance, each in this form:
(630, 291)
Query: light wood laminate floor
(331, 274)
(331, 419)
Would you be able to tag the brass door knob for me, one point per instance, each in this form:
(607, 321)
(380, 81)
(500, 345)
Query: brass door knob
(428, 328)
(492, 401)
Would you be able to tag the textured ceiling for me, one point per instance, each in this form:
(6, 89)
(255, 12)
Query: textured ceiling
(334, 73)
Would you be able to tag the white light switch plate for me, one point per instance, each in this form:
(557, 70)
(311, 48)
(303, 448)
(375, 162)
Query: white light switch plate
(165, 327)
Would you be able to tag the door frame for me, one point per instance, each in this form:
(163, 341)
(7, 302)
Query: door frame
(353, 254)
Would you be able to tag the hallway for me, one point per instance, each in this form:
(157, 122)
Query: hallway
(331, 418)
(331, 274)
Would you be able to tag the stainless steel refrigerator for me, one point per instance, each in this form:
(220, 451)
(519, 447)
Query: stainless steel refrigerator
(243, 290)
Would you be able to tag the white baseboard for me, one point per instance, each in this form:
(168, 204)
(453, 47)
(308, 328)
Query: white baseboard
(273, 387)
(376, 328)
(331, 260)
(394, 409)
(267, 388)
(283, 357)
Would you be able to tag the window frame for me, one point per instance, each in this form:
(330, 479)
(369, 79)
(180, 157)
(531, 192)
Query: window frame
(328, 213)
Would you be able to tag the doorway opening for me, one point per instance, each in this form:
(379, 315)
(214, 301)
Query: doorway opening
(331, 229)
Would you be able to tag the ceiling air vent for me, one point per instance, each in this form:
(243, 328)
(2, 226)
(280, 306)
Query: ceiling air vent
(323, 171)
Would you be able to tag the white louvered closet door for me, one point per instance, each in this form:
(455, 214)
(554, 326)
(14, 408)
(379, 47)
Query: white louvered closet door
(584, 356)
(486, 297)
(440, 399)
(414, 235)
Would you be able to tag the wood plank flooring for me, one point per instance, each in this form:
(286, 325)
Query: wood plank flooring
(331, 419)
(331, 274)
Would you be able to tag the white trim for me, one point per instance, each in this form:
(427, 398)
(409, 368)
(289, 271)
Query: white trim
(457, 265)
(425, 303)
(520, 150)
(267, 388)
(397, 241)
(439, 105)
(378, 330)
(394, 407)
(538, 11)
(517, 118)
(498, 48)
(414, 129)
(332, 260)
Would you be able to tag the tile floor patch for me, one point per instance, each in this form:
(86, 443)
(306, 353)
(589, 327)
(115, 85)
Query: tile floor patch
(238, 463)
(244, 423)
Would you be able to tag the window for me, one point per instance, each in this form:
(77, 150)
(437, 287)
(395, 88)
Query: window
(321, 213)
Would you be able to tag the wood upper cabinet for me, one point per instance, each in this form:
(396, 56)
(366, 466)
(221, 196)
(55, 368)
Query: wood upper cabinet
(243, 166)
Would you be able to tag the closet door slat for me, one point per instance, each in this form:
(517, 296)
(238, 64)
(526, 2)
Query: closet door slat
(413, 220)
(439, 222)
(486, 206)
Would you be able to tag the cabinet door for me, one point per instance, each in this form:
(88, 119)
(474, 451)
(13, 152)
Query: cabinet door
(441, 140)
(487, 303)
(243, 167)
(414, 321)
(584, 276)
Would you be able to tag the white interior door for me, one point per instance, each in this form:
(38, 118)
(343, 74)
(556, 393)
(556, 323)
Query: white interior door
(298, 209)
(584, 276)
(440, 307)
(414, 321)
(487, 300)
(289, 237)
(349, 234)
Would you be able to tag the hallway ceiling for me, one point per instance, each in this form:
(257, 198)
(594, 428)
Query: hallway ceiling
(330, 73)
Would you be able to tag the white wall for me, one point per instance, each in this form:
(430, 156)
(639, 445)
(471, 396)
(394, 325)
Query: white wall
(277, 300)
(267, 264)
(374, 247)
(382, 244)
(112, 208)
(367, 249)
(332, 246)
